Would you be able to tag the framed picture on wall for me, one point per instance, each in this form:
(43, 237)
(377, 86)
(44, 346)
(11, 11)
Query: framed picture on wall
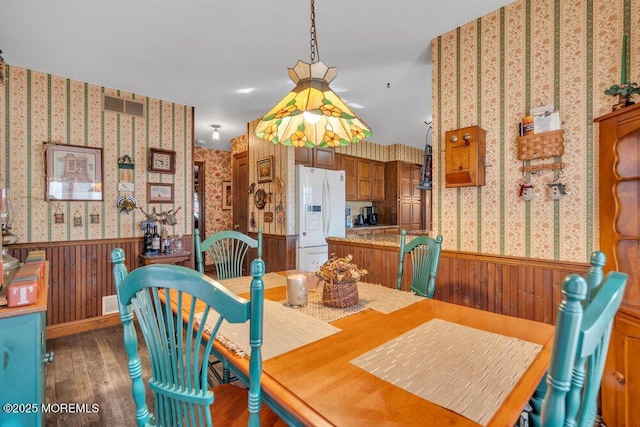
(227, 195)
(73, 172)
(265, 169)
(159, 192)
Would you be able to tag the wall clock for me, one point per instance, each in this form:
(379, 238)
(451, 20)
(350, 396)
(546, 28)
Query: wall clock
(162, 161)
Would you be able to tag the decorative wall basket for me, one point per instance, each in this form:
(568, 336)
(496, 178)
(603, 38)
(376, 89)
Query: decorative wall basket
(541, 145)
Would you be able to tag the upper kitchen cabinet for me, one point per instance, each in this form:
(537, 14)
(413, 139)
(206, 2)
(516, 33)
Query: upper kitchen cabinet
(323, 158)
(403, 204)
(365, 178)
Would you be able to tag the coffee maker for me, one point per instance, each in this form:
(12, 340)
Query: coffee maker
(371, 215)
(373, 218)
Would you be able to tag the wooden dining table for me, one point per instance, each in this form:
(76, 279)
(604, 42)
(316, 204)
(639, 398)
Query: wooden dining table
(318, 385)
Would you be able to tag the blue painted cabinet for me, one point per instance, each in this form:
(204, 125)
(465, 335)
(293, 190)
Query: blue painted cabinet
(22, 364)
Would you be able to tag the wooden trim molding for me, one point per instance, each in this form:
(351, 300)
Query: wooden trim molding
(84, 325)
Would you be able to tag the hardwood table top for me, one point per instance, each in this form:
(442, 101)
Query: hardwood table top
(319, 386)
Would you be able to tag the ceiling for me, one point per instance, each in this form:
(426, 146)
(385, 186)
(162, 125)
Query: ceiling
(201, 53)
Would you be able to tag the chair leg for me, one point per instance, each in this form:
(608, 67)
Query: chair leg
(536, 402)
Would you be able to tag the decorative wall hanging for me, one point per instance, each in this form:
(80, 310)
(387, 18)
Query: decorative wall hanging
(73, 172)
(94, 216)
(126, 167)
(227, 195)
(268, 217)
(465, 157)
(162, 161)
(77, 219)
(126, 204)
(58, 215)
(265, 169)
(260, 198)
(158, 192)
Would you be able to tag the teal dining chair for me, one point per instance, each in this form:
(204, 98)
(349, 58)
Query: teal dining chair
(425, 258)
(597, 260)
(228, 249)
(175, 343)
(579, 351)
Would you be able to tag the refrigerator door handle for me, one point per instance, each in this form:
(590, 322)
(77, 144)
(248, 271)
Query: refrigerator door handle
(326, 211)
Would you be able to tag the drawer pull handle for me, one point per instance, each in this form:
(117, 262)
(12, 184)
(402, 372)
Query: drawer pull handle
(619, 378)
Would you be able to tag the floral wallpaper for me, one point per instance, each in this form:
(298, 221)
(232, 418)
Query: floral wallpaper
(36, 108)
(217, 169)
(490, 72)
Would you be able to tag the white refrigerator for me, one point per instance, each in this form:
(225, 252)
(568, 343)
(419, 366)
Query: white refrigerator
(320, 213)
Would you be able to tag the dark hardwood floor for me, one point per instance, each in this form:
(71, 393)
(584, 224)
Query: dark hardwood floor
(91, 368)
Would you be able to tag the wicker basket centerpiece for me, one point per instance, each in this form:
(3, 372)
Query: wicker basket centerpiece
(340, 277)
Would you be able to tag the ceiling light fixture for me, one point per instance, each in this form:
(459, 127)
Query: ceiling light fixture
(216, 134)
(312, 114)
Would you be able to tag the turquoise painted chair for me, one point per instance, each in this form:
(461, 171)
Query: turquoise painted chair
(579, 351)
(425, 258)
(228, 249)
(175, 344)
(594, 279)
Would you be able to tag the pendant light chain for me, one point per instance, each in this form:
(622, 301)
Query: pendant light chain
(314, 38)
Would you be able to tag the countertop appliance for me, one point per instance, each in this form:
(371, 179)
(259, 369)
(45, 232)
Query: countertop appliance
(320, 206)
(371, 215)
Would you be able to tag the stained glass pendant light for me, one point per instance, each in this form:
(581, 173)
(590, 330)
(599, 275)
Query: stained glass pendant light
(312, 115)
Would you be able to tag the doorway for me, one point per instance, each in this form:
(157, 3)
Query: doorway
(199, 209)
(240, 171)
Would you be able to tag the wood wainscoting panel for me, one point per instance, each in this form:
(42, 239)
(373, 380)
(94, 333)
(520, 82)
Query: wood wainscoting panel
(520, 287)
(278, 252)
(81, 274)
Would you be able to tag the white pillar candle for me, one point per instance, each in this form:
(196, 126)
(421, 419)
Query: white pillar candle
(296, 290)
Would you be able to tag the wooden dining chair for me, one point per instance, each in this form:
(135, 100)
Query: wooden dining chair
(175, 343)
(579, 351)
(425, 258)
(597, 260)
(228, 249)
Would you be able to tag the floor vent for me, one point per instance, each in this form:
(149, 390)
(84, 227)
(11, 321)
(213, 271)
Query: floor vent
(121, 105)
(109, 304)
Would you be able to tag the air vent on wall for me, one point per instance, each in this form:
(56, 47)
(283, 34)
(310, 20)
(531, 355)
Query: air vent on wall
(121, 105)
(109, 304)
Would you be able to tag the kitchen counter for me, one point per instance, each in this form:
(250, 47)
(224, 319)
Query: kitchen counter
(387, 240)
(372, 229)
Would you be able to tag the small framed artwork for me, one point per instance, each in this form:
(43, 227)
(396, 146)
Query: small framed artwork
(159, 192)
(265, 169)
(162, 161)
(73, 172)
(227, 195)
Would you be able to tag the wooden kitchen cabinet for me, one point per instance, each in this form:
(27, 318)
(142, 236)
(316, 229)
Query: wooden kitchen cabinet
(317, 157)
(377, 181)
(619, 207)
(403, 204)
(364, 178)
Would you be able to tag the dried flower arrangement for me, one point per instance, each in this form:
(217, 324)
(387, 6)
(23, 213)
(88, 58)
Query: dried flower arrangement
(340, 270)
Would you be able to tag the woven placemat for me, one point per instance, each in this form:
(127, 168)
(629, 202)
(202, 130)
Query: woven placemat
(466, 370)
(241, 285)
(376, 297)
(284, 329)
